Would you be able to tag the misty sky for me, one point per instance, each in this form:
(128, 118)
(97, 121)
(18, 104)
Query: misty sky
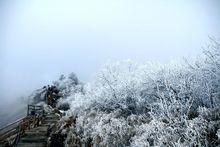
(41, 39)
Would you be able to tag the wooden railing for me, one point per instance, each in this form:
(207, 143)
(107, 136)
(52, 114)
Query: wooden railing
(12, 132)
(32, 110)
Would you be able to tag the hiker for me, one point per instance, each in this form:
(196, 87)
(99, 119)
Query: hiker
(48, 95)
(51, 95)
(54, 89)
(32, 113)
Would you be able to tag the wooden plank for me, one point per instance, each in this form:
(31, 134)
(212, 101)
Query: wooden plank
(10, 124)
(23, 124)
(8, 134)
(12, 129)
(31, 144)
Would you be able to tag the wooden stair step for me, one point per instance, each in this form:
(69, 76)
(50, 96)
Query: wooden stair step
(52, 116)
(34, 133)
(40, 129)
(49, 121)
(31, 139)
(39, 144)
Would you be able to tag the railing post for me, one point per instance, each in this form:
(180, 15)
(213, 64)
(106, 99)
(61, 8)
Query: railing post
(28, 110)
(18, 135)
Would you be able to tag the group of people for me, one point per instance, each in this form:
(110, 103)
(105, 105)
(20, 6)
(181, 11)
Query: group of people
(51, 95)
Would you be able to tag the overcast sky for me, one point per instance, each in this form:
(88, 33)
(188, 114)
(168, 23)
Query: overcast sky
(41, 39)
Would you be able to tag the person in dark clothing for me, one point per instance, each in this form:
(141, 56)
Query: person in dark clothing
(55, 89)
(48, 94)
(32, 113)
(51, 95)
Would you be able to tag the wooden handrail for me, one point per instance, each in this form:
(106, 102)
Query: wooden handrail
(10, 130)
(21, 125)
(35, 109)
(10, 124)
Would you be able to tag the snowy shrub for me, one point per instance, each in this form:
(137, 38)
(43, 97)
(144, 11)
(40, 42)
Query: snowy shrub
(67, 86)
(132, 104)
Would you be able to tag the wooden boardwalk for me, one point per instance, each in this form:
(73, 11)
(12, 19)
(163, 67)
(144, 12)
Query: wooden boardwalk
(38, 130)
(30, 131)
(38, 137)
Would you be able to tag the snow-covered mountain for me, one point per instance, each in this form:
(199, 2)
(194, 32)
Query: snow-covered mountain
(145, 104)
